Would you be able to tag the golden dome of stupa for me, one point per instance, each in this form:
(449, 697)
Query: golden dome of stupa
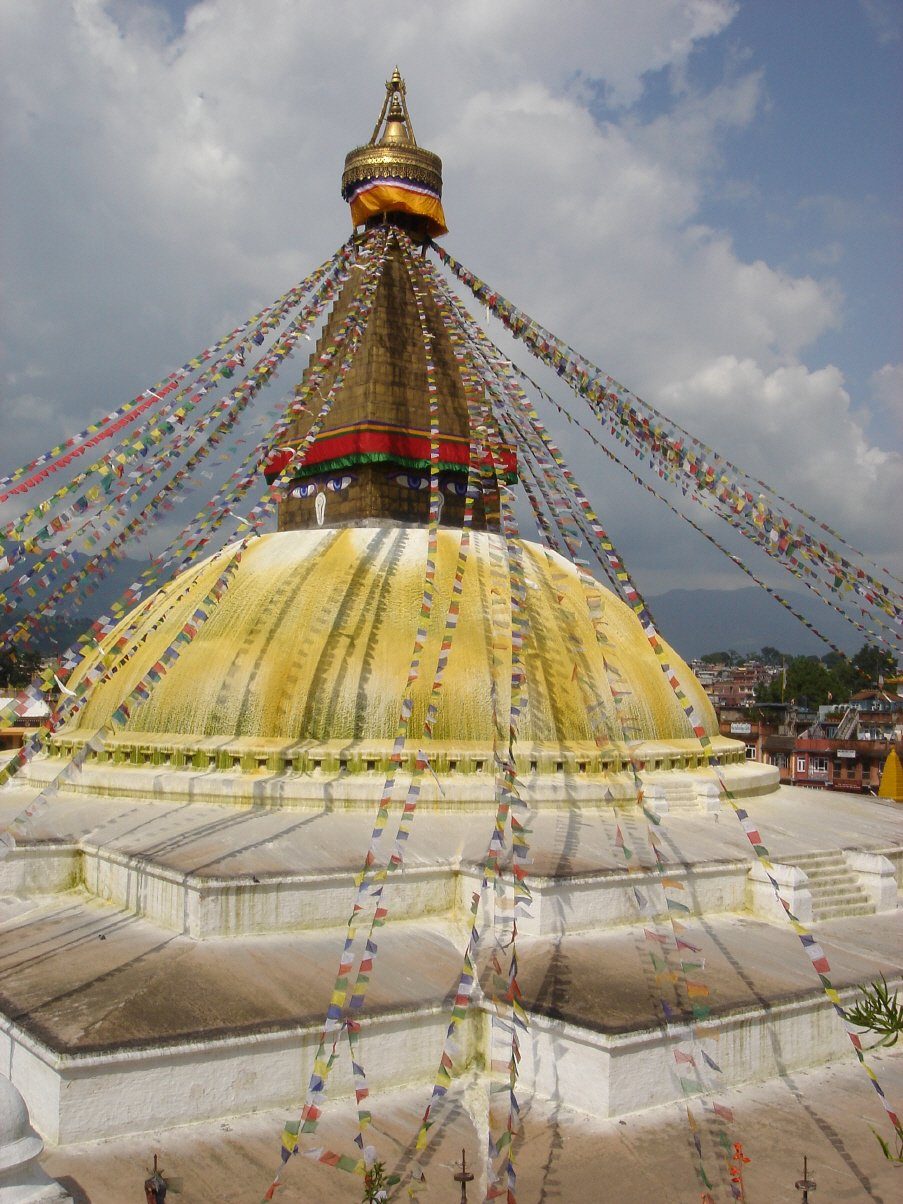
(303, 663)
(311, 645)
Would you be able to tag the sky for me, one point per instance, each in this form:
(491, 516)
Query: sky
(701, 196)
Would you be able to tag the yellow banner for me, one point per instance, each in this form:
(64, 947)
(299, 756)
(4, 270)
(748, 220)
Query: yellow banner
(394, 198)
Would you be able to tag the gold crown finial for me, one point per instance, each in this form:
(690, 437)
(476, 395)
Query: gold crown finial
(394, 115)
(392, 160)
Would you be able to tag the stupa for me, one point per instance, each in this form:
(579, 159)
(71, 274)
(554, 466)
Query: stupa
(175, 912)
(306, 682)
(22, 1180)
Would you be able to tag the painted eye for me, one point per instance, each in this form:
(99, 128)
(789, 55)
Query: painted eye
(305, 489)
(337, 484)
(456, 486)
(412, 481)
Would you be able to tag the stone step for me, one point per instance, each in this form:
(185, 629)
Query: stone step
(837, 884)
(819, 891)
(816, 861)
(819, 904)
(836, 911)
(835, 857)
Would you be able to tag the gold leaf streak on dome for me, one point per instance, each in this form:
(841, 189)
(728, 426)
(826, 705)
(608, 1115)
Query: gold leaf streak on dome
(312, 642)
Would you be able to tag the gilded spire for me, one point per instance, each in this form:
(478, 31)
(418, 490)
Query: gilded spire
(399, 130)
(392, 175)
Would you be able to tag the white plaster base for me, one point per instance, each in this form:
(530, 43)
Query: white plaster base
(203, 906)
(596, 901)
(75, 1099)
(877, 877)
(447, 791)
(794, 886)
(36, 1192)
(610, 1076)
(87, 1098)
(39, 869)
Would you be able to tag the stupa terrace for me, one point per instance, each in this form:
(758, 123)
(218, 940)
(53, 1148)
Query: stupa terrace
(146, 938)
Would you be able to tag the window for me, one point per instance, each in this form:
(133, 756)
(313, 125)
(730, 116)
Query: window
(750, 752)
(818, 764)
(801, 765)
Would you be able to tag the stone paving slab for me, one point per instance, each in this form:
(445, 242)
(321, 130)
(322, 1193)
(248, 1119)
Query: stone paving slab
(83, 977)
(605, 982)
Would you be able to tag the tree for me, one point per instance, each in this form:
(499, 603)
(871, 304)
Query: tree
(873, 663)
(808, 683)
(730, 657)
(771, 656)
(17, 667)
(862, 670)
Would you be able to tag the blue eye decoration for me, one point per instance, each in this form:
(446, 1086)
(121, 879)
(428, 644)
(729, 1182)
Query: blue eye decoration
(456, 486)
(337, 484)
(305, 489)
(411, 480)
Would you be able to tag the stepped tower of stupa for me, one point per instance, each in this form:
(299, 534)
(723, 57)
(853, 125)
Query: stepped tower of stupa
(175, 914)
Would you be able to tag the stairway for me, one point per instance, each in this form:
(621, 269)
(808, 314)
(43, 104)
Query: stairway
(835, 888)
(848, 725)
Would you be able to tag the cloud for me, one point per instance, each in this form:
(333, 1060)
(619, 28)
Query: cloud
(796, 425)
(887, 393)
(884, 18)
(162, 185)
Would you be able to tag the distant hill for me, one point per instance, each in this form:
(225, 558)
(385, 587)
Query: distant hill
(109, 589)
(75, 614)
(697, 621)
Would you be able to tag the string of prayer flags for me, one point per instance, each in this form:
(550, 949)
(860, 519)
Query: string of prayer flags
(512, 894)
(664, 950)
(111, 466)
(421, 763)
(207, 521)
(673, 450)
(343, 988)
(707, 535)
(231, 405)
(227, 411)
(109, 424)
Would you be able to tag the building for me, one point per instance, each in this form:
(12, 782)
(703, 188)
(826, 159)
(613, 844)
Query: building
(33, 714)
(733, 686)
(843, 748)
